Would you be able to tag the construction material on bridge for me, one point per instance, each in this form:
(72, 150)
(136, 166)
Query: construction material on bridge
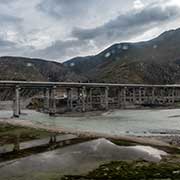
(94, 96)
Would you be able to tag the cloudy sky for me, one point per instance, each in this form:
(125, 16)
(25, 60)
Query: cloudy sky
(62, 29)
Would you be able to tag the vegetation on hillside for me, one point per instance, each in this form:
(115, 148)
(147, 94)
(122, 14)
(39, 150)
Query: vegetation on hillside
(154, 62)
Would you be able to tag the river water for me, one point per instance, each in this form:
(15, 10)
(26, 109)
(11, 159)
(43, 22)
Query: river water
(118, 122)
(83, 157)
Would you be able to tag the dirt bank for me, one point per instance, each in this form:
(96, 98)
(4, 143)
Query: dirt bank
(152, 141)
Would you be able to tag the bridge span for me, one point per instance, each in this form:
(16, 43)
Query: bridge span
(92, 96)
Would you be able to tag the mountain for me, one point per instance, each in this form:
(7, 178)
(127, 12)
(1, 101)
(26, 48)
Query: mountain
(29, 69)
(154, 62)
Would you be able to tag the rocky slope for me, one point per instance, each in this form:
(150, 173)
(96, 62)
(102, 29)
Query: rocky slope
(155, 62)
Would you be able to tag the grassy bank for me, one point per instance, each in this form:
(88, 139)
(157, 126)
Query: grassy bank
(137, 170)
(9, 134)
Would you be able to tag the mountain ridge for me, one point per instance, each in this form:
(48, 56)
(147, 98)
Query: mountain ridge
(34, 69)
(153, 62)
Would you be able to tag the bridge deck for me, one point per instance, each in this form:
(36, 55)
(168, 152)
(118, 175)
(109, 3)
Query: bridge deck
(76, 84)
(90, 96)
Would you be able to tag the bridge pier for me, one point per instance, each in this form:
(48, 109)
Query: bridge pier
(90, 98)
(134, 96)
(16, 103)
(124, 96)
(52, 103)
(83, 99)
(106, 98)
(153, 95)
(173, 95)
(46, 100)
(119, 99)
(140, 95)
(69, 99)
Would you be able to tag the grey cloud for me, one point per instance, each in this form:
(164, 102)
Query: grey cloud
(129, 24)
(82, 11)
(99, 23)
(61, 50)
(7, 47)
(14, 49)
(7, 1)
(63, 8)
(5, 18)
(6, 44)
(123, 27)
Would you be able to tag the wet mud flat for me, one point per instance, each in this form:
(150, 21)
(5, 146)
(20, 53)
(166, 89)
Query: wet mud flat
(30, 141)
(115, 158)
(77, 159)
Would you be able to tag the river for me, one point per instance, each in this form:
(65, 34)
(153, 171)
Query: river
(117, 122)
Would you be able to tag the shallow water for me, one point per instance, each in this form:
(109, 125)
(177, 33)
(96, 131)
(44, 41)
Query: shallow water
(119, 122)
(76, 159)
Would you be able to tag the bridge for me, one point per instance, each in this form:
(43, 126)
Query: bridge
(92, 96)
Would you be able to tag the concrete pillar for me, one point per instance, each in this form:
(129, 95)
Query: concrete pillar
(101, 97)
(119, 97)
(169, 95)
(134, 95)
(164, 96)
(16, 104)
(173, 95)
(83, 99)
(140, 96)
(90, 98)
(124, 96)
(78, 94)
(52, 109)
(153, 95)
(106, 98)
(46, 99)
(70, 99)
(177, 93)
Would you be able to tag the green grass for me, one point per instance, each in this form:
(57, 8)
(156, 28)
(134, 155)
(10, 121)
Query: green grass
(9, 133)
(137, 170)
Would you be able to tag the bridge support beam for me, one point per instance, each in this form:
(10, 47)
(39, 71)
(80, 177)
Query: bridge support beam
(52, 103)
(46, 100)
(119, 97)
(91, 98)
(153, 95)
(173, 95)
(106, 98)
(16, 103)
(89, 103)
(83, 99)
(134, 95)
(140, 95)
(69, 99)
(124, 96)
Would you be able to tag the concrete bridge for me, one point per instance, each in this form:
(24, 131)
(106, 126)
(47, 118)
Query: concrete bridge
(94, 96)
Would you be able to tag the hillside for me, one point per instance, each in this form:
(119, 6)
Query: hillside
(156, 61)
(19, 68)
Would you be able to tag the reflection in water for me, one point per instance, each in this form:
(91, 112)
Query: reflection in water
(75, 159)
